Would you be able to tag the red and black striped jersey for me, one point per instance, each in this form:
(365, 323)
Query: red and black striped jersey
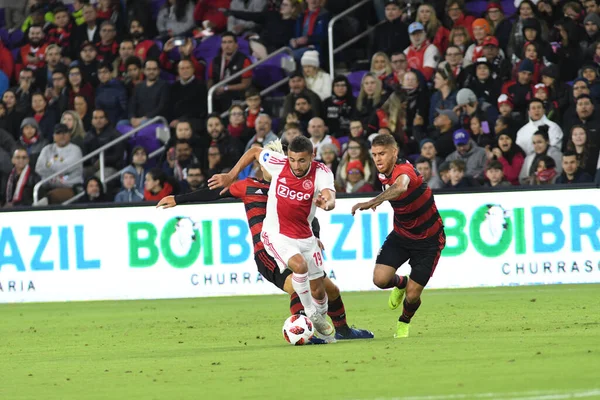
(416, 216)
(253, 194)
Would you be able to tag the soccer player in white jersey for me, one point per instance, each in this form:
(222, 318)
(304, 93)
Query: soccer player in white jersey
(299, 185)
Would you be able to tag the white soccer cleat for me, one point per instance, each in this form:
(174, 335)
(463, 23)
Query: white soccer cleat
(325, 330)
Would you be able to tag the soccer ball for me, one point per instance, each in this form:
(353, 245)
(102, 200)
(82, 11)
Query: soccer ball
(298, 330)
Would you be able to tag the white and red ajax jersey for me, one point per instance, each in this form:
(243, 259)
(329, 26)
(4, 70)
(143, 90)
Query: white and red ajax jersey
(290, 206)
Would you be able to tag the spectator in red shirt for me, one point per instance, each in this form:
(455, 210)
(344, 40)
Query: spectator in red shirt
(209, 10)
(144, 48)
(107, 46)
(32, 54)
(6, 61)
(455, 11)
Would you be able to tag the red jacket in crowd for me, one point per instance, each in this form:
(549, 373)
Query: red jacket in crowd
(7, 64)
(209, 10)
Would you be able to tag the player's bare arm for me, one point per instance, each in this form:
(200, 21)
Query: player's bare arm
(167, 202)
(225, 180)
(393, 192)
(325, 199)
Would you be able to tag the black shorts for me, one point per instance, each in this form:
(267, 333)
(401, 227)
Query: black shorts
(423, 255)
(267, 266)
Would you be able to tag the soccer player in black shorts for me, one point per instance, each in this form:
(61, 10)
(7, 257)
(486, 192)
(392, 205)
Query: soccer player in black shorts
(254, 194)
(418, 235)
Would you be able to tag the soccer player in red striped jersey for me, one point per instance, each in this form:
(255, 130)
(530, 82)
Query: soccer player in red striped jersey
(418, 235)
(254, 194)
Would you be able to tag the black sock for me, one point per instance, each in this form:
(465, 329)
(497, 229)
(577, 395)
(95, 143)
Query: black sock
(296, 306)
(337, 313)
(409, 310)
(400, 281)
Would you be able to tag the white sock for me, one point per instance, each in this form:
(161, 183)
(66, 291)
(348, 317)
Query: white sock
(322, 305)
(301, 286)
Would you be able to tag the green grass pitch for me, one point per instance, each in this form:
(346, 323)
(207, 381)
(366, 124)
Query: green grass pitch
(537, 342)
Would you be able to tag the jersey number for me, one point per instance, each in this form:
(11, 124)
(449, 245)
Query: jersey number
(318, 259)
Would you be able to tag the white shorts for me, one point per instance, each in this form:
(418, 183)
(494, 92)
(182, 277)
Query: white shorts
(282, 248)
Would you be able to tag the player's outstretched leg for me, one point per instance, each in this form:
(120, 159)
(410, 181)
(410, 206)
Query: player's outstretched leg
(384, 277)
(410, 306)
(296, 306)
(337, 312)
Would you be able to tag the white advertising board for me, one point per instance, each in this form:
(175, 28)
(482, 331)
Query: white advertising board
(493, 239)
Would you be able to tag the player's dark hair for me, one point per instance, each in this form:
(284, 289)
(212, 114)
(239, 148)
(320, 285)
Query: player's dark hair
(385, 140)
(422, 160)
(301, 144)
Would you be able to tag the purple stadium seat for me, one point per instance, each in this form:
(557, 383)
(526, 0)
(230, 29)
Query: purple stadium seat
(15, 53)
(269, 73)
(208, 49)
(509, 8)
(4, 36)
(156, 6)
(159, 44)
(413, 158)
(355, 78)
(16, 38)
(476, 8)
(2, 19)
(145, 138)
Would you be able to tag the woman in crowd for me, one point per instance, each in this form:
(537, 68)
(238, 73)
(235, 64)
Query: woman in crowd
(370, 97)
(356, 151)
(84, 112)
(500, 25)
(72, 120)
(237, 124)
(587, 151)
(12, 118)
(31, 139)
(459, 36)
(541, 149)
(381, 66)
(436, 32)
(316, 79)
(78, 87)
(176, 18)
(510, 155)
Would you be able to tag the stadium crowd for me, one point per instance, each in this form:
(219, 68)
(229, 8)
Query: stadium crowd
(474, 95)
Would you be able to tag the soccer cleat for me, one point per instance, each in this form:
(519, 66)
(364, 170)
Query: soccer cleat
(315, 340)
(396, 297)
(347, 333)
(401, 330)
(323, 328)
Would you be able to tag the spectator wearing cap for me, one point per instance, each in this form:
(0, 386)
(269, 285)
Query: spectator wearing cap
(499, 25)
(46, 116)
(520, 90)
(339, 109)
(111, 95)
(421, 54)
(526, 11)
(467, 151)
(509, 154)
(311, 29)
(355, 179)
(129, 192)
(392, 35)
(469, 106)
(441, 132)
(591, 23)
(589, 72)
(424, 167)
(150, 97)
(530, 52)
(89, 31)
(569, 54)
(139, 160)
(540, 92)
(436, 32)
(101, 134)
(571, 171)
(481, 29)
(108, 48)
(88, 64)
(586, 115)
(228, 63)
(356, 151)
(31, 55)
(297, 85)
(31, 139)
(444, 97)
(455, 13)
(316, 79)
(54, 158)
(538, 118)
(484, 83)
(501, 67)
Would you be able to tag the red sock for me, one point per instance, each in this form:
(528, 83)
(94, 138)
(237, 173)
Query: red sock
(296, 306)
(337, 312)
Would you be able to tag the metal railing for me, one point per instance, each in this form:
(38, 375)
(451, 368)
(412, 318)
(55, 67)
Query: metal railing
(114, 176)
(332, 51)
(277, 52)
(94, 153)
